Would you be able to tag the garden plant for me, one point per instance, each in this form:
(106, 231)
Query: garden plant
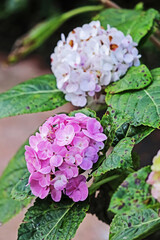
(83, 161)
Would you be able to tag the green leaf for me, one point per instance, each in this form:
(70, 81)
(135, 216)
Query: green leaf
(116, 127)
(14, 171)
(35, 95)
(119, 158)
(41, 32)
(51, 221)
(22, 190)
(87, 111)
(133, 193)
(134, 225)
(127, 130)
(136, 78)
(142, 106)
(134, 22)
(111, 121)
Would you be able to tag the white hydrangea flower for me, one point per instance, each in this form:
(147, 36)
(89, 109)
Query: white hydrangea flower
(91, 58)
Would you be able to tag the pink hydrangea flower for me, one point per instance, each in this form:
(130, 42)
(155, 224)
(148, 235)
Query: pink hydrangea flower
(73, 156)
(90, 58)
(44, 150)
(154, 177)
(60, 180)
(39, 184)
(63, 146)
(65, 135)
(94, 130)
(156, 191)
(70, 170)
(77, 189)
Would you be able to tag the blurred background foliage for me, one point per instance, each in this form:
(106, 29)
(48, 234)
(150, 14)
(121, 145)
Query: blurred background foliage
(18, 17)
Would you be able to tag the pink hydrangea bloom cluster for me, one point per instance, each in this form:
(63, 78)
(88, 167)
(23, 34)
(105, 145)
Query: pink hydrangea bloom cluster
(154, 177)
(90, 58)
(63, 146)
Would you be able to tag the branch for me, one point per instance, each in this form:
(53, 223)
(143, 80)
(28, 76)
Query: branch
(110, 4)
(155, 41)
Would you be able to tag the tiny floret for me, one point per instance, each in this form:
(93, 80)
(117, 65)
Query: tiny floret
(90, 58)
(63, 146)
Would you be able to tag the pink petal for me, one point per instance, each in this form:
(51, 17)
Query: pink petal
(84, 190)
(56, 161)
(93, 125)
(44, 193)
(56, 195)
(76, 196)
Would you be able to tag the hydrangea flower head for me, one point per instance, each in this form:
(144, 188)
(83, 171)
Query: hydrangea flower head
(91, 58)
(56, 154)
(154, 177)
(156, 162)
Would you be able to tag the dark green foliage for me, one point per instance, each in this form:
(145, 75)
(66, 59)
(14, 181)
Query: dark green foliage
(136, 78)
(14, 171)
(22, 189)
(9, 7)
(134, 225)
(143, 106)
(119, 158)
(52, 221)
(127, 130)
(133, 193)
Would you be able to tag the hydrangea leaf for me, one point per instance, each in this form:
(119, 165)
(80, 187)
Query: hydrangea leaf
(119, 158)
(22, 190)
(136, 78)
(142, 106)
(116, 127)
(137, 23)
(14, 171)
(87, 111)
(133, 193)
(111, 121)
(51, 221)
(127, 130)
(35, 95)
(134, 225)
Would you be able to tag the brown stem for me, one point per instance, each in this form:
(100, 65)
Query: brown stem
(110, 4)
(155, 41)
(157, 33)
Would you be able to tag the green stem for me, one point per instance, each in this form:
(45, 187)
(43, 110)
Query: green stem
(130, 170)
(93, 188)
(80, 10)
(41, 32)
(156, 205)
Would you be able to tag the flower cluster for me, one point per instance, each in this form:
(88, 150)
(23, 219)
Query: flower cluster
(90, 58)
(63, 145)
(154, 177)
